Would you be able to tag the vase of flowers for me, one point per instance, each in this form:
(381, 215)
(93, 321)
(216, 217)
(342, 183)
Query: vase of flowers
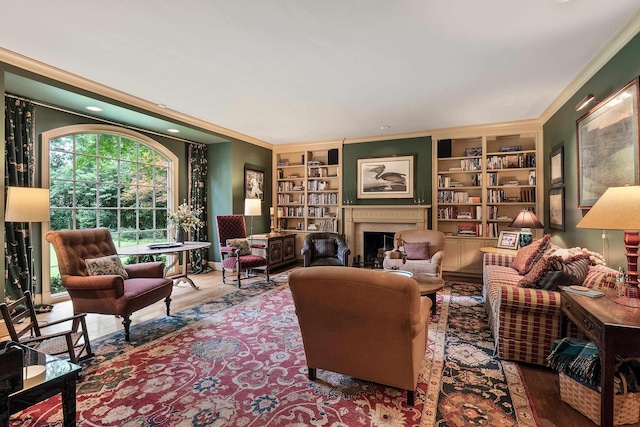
(184, 219)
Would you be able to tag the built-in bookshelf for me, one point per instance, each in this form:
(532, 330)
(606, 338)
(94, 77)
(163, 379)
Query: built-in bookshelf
(308, 190)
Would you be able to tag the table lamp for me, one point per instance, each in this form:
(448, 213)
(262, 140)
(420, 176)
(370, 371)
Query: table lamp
(617, 209)
(525, 221)
(28, 204)
(252, 207)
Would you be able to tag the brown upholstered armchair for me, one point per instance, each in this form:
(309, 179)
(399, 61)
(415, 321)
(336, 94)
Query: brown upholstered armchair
(325, 249)
(417, 251)
(106, 293)
(362, 323)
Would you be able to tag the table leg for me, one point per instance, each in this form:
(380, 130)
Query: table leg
(432, 297)
(181, 277)
(69, 402)
(607, 363)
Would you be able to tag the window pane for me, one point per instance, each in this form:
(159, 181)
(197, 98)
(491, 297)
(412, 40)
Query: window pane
(161, 197)
(128, 149)
(145, 154)
(128, 220)
(127, 196)
(146, 220)
(146, 236)
(86, 168)
(61, 194)
(127, 173)
(61, 165)
(145, 174)
(160, 179)
(145, 197)
(161, 236)
(86, 195)
(64, 143)
(108, 170)
(109, 219)
(108, 146)
(108, 194)
(161, 218)
(86, 218)
(86, 143)
(61, 219)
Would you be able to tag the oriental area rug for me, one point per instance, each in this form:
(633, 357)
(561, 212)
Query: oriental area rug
(239, 361)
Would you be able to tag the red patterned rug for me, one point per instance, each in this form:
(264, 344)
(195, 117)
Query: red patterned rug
(239, 361)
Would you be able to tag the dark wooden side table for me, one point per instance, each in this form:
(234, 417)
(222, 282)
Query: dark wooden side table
(61, 377)
(614, 328)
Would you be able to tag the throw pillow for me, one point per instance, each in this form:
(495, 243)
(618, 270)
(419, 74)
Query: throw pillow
(550, 272)
(600, 277)
(419, 250)
(242, 246)
(325, 247)
(529, 255)
(106, 265)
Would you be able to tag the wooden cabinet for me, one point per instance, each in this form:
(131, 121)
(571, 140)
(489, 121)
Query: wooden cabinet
(308, 188)
(282, 247)
(483, 177)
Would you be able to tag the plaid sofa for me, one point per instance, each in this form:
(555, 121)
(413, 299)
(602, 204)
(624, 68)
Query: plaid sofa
(526, 321)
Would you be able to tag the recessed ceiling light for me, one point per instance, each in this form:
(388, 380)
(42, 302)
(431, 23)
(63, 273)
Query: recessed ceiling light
(562, 1)
(268, 138)
(162, 106)
(383, 127)
(93, 108)
(510, 104)
(173, 130)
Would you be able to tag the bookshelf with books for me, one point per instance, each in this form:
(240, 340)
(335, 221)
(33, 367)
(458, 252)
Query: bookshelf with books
(483, 176)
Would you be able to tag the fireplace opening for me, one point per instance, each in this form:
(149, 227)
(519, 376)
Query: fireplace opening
(375, 245)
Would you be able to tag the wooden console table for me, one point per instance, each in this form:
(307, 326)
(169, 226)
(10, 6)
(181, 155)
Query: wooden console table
(282, 247)
(614, 328)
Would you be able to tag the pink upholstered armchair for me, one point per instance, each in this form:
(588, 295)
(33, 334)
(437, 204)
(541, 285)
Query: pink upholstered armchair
(417, 251)
(236, 252)
(106, 293)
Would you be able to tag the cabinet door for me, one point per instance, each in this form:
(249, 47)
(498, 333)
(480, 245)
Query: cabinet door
(289, 247)
(470, 256)
(450, 261)
(275, 251)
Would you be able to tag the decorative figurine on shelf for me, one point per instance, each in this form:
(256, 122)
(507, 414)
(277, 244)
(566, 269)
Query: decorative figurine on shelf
(184, 219)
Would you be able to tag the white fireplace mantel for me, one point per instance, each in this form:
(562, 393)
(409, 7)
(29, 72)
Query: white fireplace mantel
(382, 218)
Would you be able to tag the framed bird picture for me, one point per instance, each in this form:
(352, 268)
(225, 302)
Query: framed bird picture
(386, 177)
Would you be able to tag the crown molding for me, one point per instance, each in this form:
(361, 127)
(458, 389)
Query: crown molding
(620, 39)
(62, 76)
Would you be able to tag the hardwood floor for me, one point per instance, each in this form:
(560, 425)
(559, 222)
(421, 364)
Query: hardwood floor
(541, 382)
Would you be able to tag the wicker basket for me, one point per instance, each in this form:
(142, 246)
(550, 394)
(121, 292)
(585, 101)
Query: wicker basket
(626, 407)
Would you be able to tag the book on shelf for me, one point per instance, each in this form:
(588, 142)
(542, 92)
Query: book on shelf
(511, 148)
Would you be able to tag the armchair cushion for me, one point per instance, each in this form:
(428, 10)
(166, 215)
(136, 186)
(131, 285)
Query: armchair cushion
(419, 250)
(325, 247)
(529, 255)
(106, 265)
(242, 246)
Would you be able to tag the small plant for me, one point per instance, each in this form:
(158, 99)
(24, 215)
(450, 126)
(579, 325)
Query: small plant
(186, 217)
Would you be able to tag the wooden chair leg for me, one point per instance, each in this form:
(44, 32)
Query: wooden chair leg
(126, 322)
(312, 374)
(411, 397)
(167, 301)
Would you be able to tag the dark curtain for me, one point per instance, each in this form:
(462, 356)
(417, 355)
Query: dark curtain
(197, 159)
(19, 172)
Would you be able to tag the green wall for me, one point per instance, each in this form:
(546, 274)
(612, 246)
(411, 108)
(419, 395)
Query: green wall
(560, 129)
(420, 147)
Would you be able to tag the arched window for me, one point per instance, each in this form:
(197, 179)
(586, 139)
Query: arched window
(106, 176)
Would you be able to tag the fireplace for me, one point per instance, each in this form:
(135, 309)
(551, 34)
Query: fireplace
(375, 244)
(382, 219)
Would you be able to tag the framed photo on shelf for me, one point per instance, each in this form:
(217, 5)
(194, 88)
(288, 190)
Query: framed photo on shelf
(607, 138)
(386, 177)
(556, 208)
(509, 239)
(253, 183)
(557, 165)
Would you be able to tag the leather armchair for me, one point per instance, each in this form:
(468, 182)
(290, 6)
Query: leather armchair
(325, 249)
(106, 294)
(348, 314)
(400, 259)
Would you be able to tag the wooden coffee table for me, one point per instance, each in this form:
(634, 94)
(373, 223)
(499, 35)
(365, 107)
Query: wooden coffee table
(428, 284)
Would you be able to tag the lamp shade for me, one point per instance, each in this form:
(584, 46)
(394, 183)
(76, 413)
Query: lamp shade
(27, 204)
(616, 209)
(252, 207)
(526, 219)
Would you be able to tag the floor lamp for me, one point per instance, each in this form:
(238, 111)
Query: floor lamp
(28, 204)
(617, 209)
(252, 207)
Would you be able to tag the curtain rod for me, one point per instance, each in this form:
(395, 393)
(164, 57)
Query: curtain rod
(87, 116)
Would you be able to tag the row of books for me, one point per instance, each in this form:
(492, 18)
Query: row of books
(447, 196)
(452, 212)
(472, 229)
(292, 211)
(329, 224)
(320, 212)
(446, 181)
(511, 161)
(323, 199)
(289, 186)
(284, 199)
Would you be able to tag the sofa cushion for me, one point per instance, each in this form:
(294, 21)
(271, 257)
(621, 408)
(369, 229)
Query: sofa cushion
(529, 255)
(242, 246)
(107, 265)
(417, 250)
(550, 272)
(325, 247)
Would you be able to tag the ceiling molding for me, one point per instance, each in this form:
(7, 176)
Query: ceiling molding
(599, 60)
(45, 70)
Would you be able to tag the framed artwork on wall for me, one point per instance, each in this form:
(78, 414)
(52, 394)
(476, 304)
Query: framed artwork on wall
(557, 165)
(556, 209)
(253, 183)
(607, 139)
(509, 239)
(386, 177)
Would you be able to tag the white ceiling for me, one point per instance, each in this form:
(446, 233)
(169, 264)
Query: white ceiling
(285, 71)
